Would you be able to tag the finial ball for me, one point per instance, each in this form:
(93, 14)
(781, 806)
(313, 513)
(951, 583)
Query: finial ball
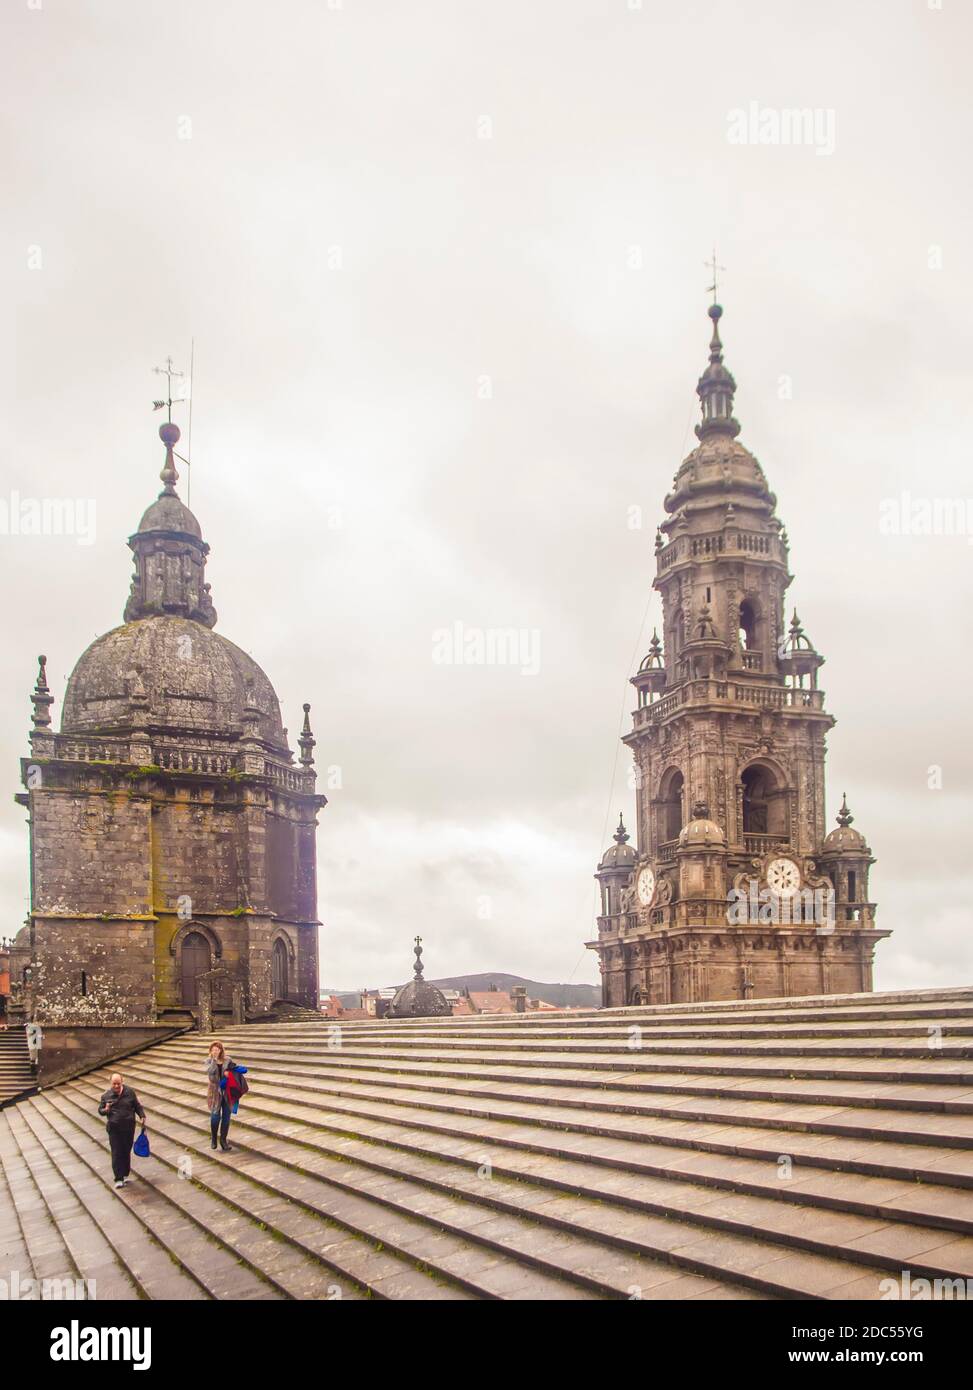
(169, 434)
(715, 311)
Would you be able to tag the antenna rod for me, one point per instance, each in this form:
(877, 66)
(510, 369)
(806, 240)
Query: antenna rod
(189, 434)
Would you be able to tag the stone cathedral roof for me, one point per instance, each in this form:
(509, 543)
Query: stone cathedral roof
(181, 674)
(165, 666)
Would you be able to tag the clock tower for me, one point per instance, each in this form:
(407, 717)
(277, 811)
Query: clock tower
(735, 890)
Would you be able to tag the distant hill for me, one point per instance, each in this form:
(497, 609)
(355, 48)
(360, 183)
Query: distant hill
(576, 996)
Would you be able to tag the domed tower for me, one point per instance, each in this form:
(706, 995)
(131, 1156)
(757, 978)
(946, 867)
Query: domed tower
(730, 895)
(172, 836)
(615, 870)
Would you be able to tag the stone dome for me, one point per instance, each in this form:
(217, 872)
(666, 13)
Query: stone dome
(845, 837)
(168, 513)
(191, 678)
(718, 462)
(618, 857)
(701, 832)
(419, 999)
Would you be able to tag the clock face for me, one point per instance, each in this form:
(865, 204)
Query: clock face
(646, 886)
(784, 877)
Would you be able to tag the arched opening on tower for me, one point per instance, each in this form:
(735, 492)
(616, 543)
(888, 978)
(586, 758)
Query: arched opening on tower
(764, 803)
(280, 970)
(671, 817)
(748, 626)
(195, 959)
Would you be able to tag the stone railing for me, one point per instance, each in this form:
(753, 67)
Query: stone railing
(716, 543)
(701, 692)
(753, 661)
(195, 760)
(293, 779)
(666, 852)
(77, 750)
(764, 844)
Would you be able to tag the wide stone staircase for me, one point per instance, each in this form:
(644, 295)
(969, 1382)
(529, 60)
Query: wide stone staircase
(777, 1149)
(16, 1072)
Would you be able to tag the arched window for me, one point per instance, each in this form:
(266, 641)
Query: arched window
(672, 814)
(764, 803)
(748, 626)
(852, 886)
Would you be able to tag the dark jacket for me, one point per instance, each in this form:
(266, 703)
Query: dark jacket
(124, 1107)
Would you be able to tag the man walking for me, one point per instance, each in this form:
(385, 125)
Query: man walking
(120, 1105)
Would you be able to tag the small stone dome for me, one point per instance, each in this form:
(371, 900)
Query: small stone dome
(186, 676)
(419, 999)
(168, 513)
(845, 838)
(701, 832)
(620, 855)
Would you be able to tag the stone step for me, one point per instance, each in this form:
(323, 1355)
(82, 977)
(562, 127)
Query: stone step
(579, 1025)
(415, 1265)
(514, 1149)
(450, 1233)
(168, 1258)
(625, 1091)
(14, 1254)
(932, 1067)
(815, 1184)
(93, 1259)
(792, 1129)
(903, 1096)
(863, 1047)
(287, 1270)
(842, 1251)
(621, 1034)
(887, 1001)
(46, 1249)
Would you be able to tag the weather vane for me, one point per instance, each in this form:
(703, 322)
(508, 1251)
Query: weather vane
(168, 371)
(714, 268)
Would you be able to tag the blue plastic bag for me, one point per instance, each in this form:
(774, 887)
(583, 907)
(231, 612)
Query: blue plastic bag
(141, 1146)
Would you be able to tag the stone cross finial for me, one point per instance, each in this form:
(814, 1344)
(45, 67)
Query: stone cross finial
(711, 265)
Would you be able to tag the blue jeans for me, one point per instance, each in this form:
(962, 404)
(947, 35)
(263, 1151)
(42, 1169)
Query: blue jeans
(219, 1119)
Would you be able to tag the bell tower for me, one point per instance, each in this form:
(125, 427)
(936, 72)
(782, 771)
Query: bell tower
(734, 892)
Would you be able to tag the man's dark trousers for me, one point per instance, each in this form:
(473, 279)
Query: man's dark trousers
(121, 1138)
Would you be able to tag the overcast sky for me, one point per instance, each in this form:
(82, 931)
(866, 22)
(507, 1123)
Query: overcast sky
(443, 264)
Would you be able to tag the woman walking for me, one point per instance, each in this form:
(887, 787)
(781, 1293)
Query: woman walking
(216, 1098)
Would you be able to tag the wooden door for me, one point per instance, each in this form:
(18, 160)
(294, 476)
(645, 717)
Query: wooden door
(195, 961)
